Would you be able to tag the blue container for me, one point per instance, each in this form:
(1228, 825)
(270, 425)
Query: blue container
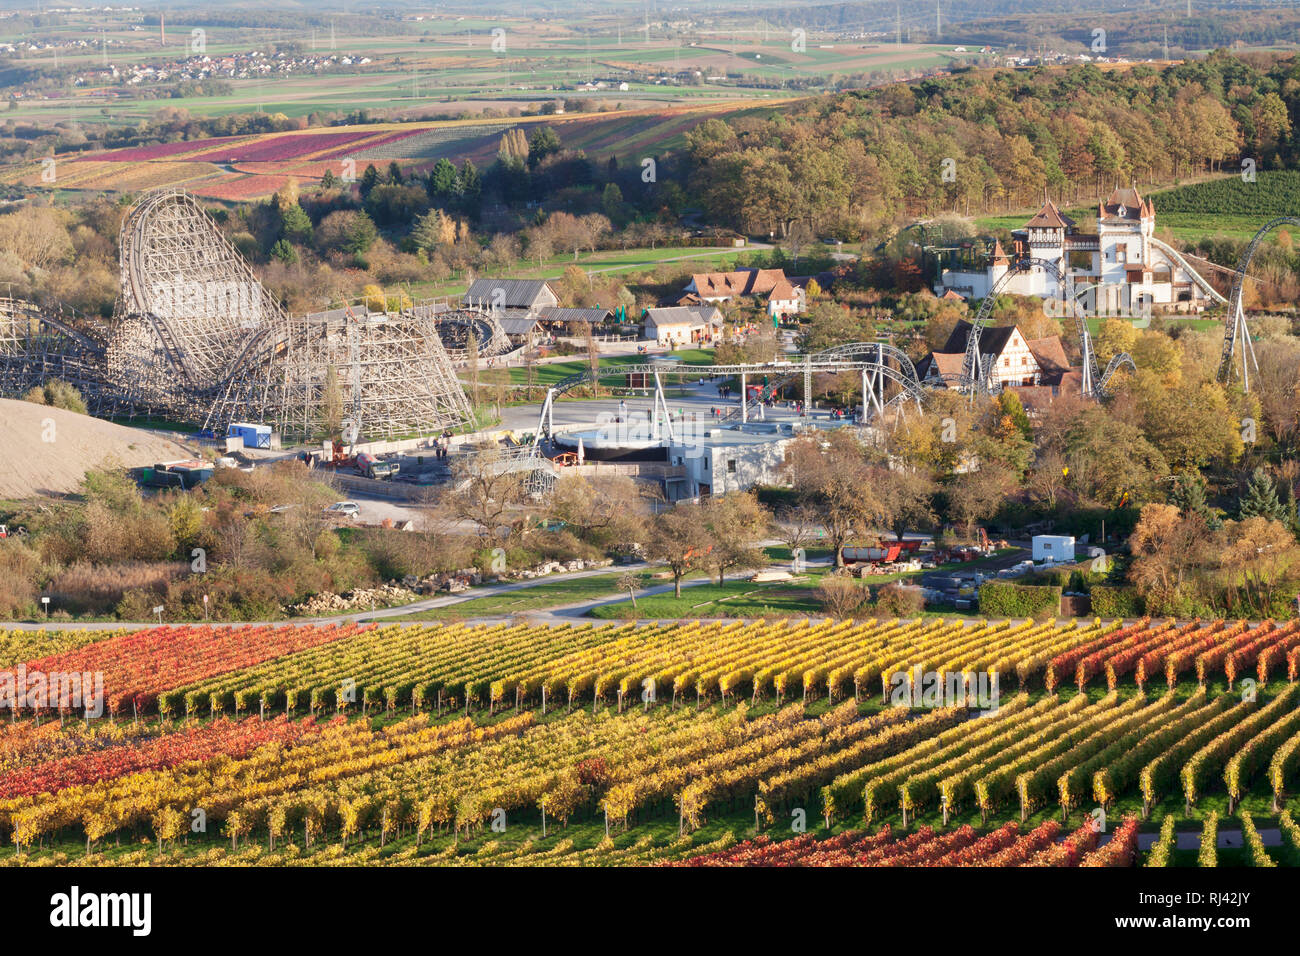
(254, 436)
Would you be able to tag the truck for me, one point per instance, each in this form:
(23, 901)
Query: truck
(373, 467)
(887, 552)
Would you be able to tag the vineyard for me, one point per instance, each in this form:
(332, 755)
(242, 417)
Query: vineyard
(788, 743)
(1272, 193)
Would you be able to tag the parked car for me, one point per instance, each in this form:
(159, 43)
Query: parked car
(344, 509)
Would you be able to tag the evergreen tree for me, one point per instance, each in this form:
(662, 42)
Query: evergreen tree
(433, 229)
(284, 251)
(442, 181)
(394, 174)
(544, 142)
(470, 186)
(328, 181)
(369, 180)
(360, 235)
(1290, 514)
(1260, 499)
(297, 224)
(1188, 494)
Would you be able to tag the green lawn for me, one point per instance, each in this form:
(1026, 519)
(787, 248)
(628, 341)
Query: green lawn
(555, 372)
(537, 598)
(602, 262)
(1187, 227)
(731, 599)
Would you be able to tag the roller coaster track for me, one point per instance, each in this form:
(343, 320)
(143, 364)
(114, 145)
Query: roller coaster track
(1234, 326)
(1177, 256)
(978, 374)
(22, 308)
(904, 375)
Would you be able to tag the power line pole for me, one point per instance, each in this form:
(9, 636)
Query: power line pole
(938, 26)
(898, 25)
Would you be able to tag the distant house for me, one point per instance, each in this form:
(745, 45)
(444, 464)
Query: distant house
(520, 296)
(723, 286)
(682, 324)
(1018, 361)
(782, 294)
(785, 299)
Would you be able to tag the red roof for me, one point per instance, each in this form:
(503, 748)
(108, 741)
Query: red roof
(740, 282)
(1126, 203)
(1049, 217)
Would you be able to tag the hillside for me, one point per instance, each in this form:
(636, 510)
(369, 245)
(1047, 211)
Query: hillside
(32, 466)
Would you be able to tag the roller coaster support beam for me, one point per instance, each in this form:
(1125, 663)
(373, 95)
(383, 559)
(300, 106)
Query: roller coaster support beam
(807, 385)
(1242, 333)
(661, 402)
(546, 426)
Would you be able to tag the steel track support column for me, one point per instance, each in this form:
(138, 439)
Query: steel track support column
(807, 386)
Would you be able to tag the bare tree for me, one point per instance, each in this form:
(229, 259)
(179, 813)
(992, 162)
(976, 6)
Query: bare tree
(491, 496)
(735, 523)
(680, 540)
(797, 526)
(836, 482)
(629, 582)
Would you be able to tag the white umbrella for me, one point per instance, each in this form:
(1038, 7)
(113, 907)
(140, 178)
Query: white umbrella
(580, 450)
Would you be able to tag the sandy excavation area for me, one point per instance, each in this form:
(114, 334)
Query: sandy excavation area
(47, 451)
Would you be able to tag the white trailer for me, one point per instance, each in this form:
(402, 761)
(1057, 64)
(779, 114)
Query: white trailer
(1057, 548)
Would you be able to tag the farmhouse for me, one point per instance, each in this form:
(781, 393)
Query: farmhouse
(678, 325)
(783, 295)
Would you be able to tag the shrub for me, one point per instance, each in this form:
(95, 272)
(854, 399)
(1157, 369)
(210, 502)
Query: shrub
(1004, 599)
(57, 394)
(1108, 601)
(840, 595)
(897, 600)
(95, 589)
(19, 566)
(1163, 849)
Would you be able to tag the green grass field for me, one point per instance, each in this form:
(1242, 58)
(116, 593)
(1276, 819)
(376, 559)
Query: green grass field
(540, 597)
(444, 61)
(1187, 227)
(603, 262)
(554, 372)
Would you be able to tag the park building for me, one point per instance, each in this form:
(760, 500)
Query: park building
(1040, 367)
(1122, 269)
(782, 296)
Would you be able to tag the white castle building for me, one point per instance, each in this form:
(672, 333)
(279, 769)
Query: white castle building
(1121, 270)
